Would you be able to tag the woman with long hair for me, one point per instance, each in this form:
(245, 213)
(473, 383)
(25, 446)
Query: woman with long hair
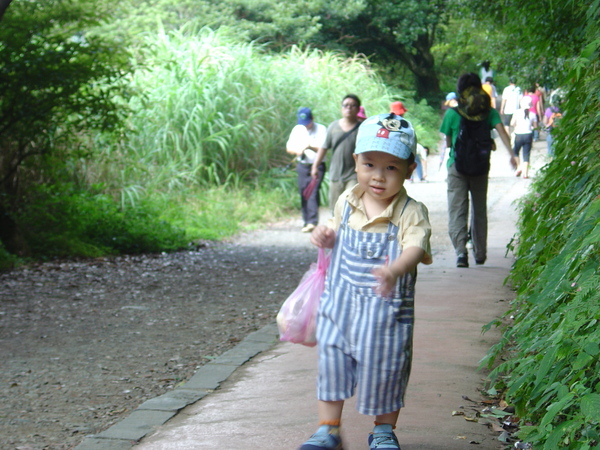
(524, 122)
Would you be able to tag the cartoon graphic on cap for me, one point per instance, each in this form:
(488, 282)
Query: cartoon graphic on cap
(387, 133)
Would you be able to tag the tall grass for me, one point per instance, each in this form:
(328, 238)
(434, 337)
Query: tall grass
(215, 112)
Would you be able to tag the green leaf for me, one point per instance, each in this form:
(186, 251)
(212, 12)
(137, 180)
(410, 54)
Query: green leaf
(590, 407)
(592, 348)
(555, 409)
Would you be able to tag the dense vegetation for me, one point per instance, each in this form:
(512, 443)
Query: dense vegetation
(141, 126)
(182, 130)
(550, 350)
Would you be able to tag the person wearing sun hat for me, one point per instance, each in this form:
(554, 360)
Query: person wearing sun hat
(398, 108)
(305, 140)
(379, 235)
(362, 114)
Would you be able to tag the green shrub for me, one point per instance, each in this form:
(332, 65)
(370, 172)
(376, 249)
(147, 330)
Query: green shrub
(61, 222)
(551, 351)
(7, 260)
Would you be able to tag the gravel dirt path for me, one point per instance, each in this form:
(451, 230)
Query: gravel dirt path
(83, 343)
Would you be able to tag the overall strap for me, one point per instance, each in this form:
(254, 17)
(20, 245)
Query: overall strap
(393, 229)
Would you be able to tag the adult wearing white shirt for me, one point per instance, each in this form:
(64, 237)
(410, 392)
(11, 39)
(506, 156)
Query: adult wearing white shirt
(511, 97)
(305, 140)
(524, 122)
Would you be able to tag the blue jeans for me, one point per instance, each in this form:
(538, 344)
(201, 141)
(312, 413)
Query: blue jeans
(550, 143)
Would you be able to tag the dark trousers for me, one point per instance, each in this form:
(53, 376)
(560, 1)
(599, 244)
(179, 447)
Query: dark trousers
(310, 206)
(524, 141)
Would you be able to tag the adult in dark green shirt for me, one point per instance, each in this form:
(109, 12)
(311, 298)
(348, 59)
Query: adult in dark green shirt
(475, 105)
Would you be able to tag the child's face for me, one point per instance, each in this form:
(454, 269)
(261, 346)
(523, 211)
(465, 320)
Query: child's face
(382, 175)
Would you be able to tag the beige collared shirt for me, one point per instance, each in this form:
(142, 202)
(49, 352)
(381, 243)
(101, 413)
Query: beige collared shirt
(414, 229)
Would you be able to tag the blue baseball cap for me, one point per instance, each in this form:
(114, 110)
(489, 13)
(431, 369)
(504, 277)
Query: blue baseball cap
(451, 96)
(304, 116)
(388, 133)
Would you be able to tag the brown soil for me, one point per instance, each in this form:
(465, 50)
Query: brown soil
(83, 343)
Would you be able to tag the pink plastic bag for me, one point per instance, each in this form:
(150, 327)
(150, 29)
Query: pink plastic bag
(308, 190)
(297, 318)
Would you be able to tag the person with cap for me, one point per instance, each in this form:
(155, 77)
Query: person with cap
(398, 108)
(341, 138)
(365, 320)
(305, 140)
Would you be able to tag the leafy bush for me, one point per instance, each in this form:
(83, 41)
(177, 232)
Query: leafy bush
(551, 370)
(7, 260)
(62, 222)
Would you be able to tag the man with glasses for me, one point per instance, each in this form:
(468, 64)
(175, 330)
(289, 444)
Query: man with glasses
(341, 139)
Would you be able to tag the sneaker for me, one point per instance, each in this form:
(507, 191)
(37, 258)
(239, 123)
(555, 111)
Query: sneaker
(324, 439)
(462, 260)
(469, 244)
(308, 228)
(480, 262)
(383, 437)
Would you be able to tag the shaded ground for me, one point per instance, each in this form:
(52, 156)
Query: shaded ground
(82, 344)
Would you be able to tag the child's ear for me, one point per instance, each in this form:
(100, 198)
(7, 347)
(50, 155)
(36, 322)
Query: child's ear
(410, 170)
(355, 156)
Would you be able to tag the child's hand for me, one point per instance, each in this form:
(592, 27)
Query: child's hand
(386, 281)
(323, 237)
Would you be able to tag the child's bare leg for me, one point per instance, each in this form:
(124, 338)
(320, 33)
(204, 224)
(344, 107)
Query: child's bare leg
(330, 413)
(389, 418)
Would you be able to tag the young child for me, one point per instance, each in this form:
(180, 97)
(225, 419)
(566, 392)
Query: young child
(365, 320)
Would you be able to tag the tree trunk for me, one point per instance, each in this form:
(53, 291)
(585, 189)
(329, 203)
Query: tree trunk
(3, 6)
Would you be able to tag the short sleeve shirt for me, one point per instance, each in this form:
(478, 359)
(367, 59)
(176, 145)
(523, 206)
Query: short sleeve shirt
(451, 126)
(412, 222)
(341, 166)
(511, 95)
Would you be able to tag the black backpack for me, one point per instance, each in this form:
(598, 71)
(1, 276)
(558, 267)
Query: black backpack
(473, 146)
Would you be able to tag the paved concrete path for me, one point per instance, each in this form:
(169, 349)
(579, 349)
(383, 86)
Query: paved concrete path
(261, 395)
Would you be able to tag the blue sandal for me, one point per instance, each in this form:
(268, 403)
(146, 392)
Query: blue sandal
(383, 437)
(323, 439)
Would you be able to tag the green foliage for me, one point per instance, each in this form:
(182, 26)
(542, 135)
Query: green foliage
(65, 222)
(7, 260)
(551, 370)
(390, 33)
(219, 213)
(464, 47)
(57, 88)
(56, 81)
(542, 56)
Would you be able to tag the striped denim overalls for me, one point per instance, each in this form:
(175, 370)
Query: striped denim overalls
(364, 340)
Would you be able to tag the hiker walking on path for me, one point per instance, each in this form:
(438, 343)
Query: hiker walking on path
(524, 121)
(306, 138)
(341, 138)
(366, 316)
(473, 109)
(511, 96)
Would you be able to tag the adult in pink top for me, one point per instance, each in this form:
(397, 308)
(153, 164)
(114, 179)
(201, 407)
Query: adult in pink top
(536, 108)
